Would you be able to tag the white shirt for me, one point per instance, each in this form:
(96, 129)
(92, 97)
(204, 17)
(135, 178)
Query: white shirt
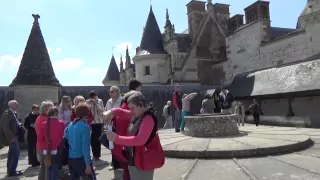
(113, 104)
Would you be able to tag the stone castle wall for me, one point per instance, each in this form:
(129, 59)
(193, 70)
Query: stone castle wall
(157, 94)
(246, 53)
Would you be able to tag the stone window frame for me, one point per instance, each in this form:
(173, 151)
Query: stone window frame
(147, 70)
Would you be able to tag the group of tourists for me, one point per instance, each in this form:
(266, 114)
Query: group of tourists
(222, 103)
(62, 135)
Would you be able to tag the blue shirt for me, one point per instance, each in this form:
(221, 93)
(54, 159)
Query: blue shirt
(78, 136)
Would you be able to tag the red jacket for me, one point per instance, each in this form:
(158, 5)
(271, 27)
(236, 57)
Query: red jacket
(56, 133)
(146, 156)
(41, 144)
(121, 124)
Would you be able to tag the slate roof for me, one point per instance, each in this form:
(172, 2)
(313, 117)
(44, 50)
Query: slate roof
(276, 32)
(184, 42)
(298, 77)
(35, 67)
(151, 42)
(113, 73)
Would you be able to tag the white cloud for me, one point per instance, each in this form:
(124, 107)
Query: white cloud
(49, 50)
(58, 50)
(123, 46)
(90, 71)
(10, 61)
(67, 64)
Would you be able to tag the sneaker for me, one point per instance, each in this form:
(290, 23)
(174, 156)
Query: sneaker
(95, 159)
(111, 168)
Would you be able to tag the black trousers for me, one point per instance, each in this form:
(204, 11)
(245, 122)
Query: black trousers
(256, 119)
(95, 143)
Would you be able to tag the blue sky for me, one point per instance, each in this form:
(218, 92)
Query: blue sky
(80, 34)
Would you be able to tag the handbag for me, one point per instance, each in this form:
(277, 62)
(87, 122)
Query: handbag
(150, 155)
(104, 140)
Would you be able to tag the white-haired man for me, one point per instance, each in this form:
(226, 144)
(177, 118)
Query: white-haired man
(166, 113)
(114, 102)
(9, 135)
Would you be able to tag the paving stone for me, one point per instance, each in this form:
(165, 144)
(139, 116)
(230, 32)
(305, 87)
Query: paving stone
(166, 142)
(311, 152)
(217, 169)
(226, 144)
(306, 162)
(302, 165)
(173, 169)
(243, 145)
(270, 169)
(262, 143)
(296, 138)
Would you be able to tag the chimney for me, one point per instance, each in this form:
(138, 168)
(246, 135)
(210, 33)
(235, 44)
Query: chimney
(196, 11)
(234, 23)
(257, 11)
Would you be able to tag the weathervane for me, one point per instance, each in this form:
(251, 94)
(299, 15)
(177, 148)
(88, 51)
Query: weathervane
(112, 50)
(36, 18)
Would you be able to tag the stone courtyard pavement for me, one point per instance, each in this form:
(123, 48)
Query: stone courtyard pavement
(302, 165)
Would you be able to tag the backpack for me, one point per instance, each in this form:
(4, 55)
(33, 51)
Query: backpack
(63, 149)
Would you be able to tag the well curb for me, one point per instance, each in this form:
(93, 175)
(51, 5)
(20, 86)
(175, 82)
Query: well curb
(243, 153)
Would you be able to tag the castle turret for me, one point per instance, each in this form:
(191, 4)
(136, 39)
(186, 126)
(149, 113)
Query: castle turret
(35, 67)
(35, 80)
(310, 12)
(113, 75)
(151, 57)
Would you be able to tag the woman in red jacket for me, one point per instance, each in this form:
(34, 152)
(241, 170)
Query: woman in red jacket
(120, 124)
(41, 144)
(77, 100)
(143, 149)
(51, 132)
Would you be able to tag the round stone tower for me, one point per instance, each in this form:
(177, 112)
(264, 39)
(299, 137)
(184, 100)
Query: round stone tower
(35, 80)
(151, 58)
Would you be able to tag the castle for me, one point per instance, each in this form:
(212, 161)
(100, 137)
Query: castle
(216, 48)
(279, 67)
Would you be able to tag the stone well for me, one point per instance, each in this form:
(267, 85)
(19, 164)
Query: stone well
(211, 125)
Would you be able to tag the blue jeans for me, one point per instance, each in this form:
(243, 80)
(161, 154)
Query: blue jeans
(13, 157)
(53, 172)
(177, 120)
(77, 168)
(184, 113)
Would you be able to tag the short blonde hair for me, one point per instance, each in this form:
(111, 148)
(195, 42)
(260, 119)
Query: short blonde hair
(77, 99)
(45, 105)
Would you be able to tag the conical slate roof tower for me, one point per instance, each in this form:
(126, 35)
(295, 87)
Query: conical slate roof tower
(151, 41)
(113, 73)
(35, 67)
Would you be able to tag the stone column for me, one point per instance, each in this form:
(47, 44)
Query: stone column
(29, 95)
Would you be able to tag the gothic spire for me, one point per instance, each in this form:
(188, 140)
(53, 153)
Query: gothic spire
(168, 22)
(113, 73)
(128, 58)
(121, 63)
(35, 67)
(151, 42)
